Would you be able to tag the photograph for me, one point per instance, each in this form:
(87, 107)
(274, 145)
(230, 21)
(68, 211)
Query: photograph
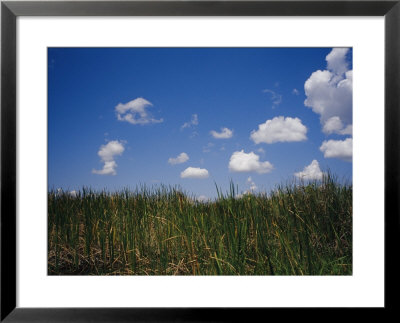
(194, 160)
(197, 161)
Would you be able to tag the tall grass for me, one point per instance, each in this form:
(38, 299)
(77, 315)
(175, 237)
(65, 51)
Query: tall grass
(297, 229)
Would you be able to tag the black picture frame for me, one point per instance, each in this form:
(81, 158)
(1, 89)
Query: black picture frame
(10, 10)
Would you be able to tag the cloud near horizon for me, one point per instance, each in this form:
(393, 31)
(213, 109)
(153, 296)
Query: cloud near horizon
(243, 162)
(280, 129)
(311, 172)
(202, 198)
(135, 112)
(252, 184)
(107, 154)
(195, 172)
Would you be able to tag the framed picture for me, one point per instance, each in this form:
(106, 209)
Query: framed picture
(173, 160)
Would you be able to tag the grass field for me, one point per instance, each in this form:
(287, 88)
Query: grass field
(296, 229)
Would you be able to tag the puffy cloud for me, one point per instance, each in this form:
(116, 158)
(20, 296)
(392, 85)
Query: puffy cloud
(108, 169)
(336, 60)
(335, 125)
(135, 112)
(224, 134)
(181, 158)
(348, 130)
(111, 149)
(193, 122)
(195, 172)
(311, 172)
(279, 129)
(330, 98)
(275, 97)
(242, 162)
(342, 149)
(330, 93)
(107, 154)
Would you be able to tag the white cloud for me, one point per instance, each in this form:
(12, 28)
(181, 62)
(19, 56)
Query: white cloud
(252, 184)
(335, 125)
(135, 112)
(347, 131)
(181, 158)
(244, 194)
(224, 134)
(111, 149)
(275, 97)
(107, 154)
(295, 92)
(332, 125)
(195, 172)
(202, 198)
(108, 169)
(337, 60)
(279, 129)
(242, 162)
(311, 172)
(330, 92)
(342, 149)
(193, 122)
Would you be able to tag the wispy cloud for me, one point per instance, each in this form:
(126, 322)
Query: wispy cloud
(252, 184)
(135, 112)
(224, 134)
(295, 92)
(107, 155)
(193, 122)
(276, 98)
(181, 158)
(207, 148)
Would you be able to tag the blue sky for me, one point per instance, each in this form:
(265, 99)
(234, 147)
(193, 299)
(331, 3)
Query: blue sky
(193, 117)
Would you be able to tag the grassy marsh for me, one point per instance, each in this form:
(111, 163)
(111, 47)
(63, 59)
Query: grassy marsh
(296, 229)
